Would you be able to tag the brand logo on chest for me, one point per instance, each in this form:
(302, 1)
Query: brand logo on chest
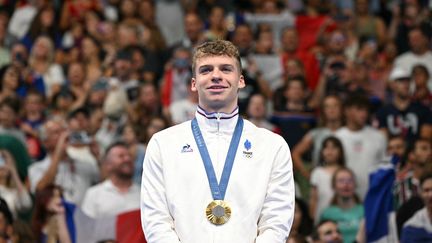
(186, 149)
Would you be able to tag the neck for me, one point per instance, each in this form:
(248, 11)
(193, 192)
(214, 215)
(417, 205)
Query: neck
(401, 103)
(345, 202)
(354, 127)
(122, 184)
(334, 124)
(218, 109)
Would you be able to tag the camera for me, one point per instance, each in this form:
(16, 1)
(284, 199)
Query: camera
(79, 137)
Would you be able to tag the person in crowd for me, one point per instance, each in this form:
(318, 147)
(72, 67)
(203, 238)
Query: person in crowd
(174, 151)
(368, 26)
(131, 137)
(9, 82)
(418, 227)
(194, 30)
(327, 231)
(419, 162)
(184, 109)
(12, 188)
(332, 158)
(331, 119)
(402, 116)
(302, 224)
(117, 193)
(49, 220)
(6, 221)
(257, 113)
(9, 109)
(292, 111)
(345, 208)
(74, 176)
(420, 76)
(42, 65)
(364, 146)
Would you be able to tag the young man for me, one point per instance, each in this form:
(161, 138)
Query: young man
(184, 184)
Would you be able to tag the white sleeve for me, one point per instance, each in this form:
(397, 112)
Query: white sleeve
(35, 175)
(88, 205)
(156, 220)
(277, 213)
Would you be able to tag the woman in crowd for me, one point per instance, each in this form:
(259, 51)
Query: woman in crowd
(9, 82)
(331, 120)
(345, 208)
(12, 189)
(49, 221)
(332, 158)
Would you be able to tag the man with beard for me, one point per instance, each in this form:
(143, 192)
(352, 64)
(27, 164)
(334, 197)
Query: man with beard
(117, 193)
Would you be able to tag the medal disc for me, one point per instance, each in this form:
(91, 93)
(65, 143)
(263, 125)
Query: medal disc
(218, 212)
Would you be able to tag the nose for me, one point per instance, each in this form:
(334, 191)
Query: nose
(216, 75)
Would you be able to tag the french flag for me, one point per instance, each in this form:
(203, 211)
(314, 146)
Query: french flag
(123, 228)
(380, 218)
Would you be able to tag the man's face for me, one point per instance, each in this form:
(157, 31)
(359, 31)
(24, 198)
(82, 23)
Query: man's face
(426, 193)
(423, 152)
(193, 26)
(357, 115)
(120, 162)
(418, 42)
(401, 88)
(217, 80)
(396, 146)
(290, 40)
(329, 233)
(243, 38)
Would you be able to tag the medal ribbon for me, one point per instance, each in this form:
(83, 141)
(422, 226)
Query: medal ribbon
(218, 190)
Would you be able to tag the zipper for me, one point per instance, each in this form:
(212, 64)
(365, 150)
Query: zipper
(218, 116)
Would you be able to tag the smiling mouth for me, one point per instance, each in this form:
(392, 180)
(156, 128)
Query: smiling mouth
(216, 87)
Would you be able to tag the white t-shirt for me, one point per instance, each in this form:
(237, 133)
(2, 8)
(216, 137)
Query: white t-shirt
(364, 150)
(322, 180)
(104, 199)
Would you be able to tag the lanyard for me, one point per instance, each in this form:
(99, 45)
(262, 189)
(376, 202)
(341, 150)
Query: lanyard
(218, 190)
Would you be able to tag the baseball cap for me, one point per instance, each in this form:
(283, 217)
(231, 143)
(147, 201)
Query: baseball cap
(399, 73)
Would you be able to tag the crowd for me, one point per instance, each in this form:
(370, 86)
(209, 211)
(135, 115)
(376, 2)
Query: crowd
(84, 84)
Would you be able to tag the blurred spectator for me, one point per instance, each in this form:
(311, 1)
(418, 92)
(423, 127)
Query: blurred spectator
(156, 124)
(147, 105)
(23, 16)
(402, 116)
(58, 168)
(32, 118)
(43, 24)
(42, 65)
(62, 103)
(419, 162)
(22, 232)
(175, 82)
(327, 231)
(4, 48)
(117, 193)
(122, 75)
(12, 189)
(419, 53)
(418, 228)
(131, 137)
(368, 26)
(292, 113)
(330, 120)
(75, 10)
(194, 28)
(93, 58)
(217, 26)
(264, 43)
(77, 83)
(184, 109)
(290, 50)
(257, 113)
(49, 220)
(243, 39)
(9, 109)
(420, 75)
(9, 82)
(332, 158)
(302, 225)
(364, 146)
(19, 152)
(168, 16)
(345, 209)
(6, 221)
(154, 39)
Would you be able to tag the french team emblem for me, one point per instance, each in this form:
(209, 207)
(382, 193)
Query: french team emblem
(248, 146)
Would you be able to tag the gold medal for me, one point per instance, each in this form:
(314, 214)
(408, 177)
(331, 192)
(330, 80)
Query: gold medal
(218, 212)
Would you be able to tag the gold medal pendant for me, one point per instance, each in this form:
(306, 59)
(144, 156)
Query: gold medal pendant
(218, 212)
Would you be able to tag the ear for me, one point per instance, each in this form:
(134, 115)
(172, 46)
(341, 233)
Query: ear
(242, 83)
(193, 85)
